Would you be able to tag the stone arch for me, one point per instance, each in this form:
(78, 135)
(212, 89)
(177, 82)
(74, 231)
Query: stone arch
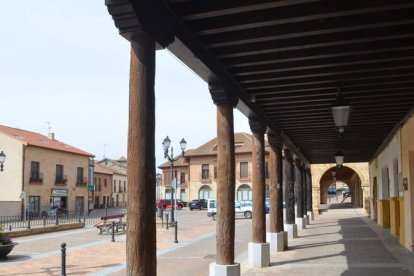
(360, 175)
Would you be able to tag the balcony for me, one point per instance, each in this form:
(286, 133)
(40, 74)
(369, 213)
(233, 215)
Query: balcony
(81, 181)
(61, 180)
(36, 177)
(205, 178)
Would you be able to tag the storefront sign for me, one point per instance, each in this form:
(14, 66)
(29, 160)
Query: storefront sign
(60, 192)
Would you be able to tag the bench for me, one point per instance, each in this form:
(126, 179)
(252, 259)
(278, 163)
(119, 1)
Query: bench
(105, 225)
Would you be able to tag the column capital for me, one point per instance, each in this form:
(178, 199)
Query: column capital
(220, 96)
(257, 126)
(275, 139)
(288, 154)
(298, 162)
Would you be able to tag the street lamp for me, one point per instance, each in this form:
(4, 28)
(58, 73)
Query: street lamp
(339, 159)
(2, 159)
(166, 144)
(341, 110)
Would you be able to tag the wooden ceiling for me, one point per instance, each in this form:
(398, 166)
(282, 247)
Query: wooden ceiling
(286, 61)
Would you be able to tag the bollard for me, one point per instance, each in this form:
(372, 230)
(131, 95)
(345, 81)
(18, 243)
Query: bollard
(162, 221)
(44, 222)
(113, 231)
(175, 232)
(57, 219)
(166, 218)
(28, 221)
(63, 250)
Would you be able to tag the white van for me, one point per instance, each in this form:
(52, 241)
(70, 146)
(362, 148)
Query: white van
(244, 208)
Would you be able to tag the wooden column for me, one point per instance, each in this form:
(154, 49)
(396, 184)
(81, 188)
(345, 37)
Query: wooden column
(276, 182)
(290, 195)
(225, 225)
(304, 189)
(309, 190)
(259, 219)
(141, 235)
(298, 189)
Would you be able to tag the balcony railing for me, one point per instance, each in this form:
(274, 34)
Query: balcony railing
(205, 177)
(36, 177)
(61, 180)
(81, 181)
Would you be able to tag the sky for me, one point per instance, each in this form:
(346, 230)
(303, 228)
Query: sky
(63, 62)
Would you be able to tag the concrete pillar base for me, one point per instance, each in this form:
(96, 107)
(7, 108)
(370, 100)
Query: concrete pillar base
(307, 220)
(292, 230)
(301, 223)
(224, 270)
(311, 216)
(259, 254)
(276, 241)
(285, 240)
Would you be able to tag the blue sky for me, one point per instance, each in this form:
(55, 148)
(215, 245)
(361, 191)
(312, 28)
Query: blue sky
(63, 62)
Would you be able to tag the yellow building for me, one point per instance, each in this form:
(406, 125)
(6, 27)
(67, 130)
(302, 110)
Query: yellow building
(392, 184)
(41, 172)
(119, 184)
(197, 171)
(102, 194)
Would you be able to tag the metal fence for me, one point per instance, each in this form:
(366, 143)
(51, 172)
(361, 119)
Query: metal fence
(10, 223)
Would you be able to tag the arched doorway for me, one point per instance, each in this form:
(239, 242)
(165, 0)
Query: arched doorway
(341, 180)
(244, 192)
(205, 192)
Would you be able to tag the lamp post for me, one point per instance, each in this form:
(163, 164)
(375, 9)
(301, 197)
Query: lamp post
(2, 159)
(341, 110)
(166, 144)
(159, 180)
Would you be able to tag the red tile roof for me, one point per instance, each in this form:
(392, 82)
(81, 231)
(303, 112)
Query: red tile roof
(39, 140)
(102, 169)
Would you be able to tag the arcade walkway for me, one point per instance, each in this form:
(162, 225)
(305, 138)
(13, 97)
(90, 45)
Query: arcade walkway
(342, 241)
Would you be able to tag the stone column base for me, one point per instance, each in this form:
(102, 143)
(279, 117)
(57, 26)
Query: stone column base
(307, 220)
(311, 216)
(259, 254)
(285, 240)
(224, 270)
(301, 223)
(276, 241)
(292, 230)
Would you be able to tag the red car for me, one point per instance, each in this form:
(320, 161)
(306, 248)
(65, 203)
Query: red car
(166, 203)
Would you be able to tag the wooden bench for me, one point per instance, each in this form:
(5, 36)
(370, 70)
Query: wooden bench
(105, 225)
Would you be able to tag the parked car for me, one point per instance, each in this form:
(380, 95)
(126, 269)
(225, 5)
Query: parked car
(243, 207)
(166, 203)
(331, 191)
(198, 204)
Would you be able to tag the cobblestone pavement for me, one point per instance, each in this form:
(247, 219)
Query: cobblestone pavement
(339, 242)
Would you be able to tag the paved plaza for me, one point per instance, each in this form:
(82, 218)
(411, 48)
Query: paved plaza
(342, 241)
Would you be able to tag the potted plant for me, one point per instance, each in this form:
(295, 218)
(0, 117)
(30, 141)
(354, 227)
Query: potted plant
(6, 244)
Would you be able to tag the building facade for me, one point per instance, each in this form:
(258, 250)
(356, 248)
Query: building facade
(41, 173)
(392, 185)
(102, 195)
(119, 182)
(197, 171)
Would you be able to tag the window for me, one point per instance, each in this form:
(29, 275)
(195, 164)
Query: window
(34, 204)
(105, 182)
(266, 170)
(182, 178)
(79, 176)
(244, 169)
(114, 186)
(99, 185)
(205, 192)
(60, 179)
(35, 175)
(215, 172)
(119, 186)
(124, 186)
(244, 192)
(205, 171)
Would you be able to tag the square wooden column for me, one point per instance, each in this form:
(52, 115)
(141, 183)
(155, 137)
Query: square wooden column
(226, 182)
(298, 189)
(290, 194)
(141, 232)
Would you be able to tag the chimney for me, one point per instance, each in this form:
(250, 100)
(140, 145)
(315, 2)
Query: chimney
(51, 135)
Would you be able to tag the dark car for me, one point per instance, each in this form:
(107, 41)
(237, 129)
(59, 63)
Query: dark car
(198, 204)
